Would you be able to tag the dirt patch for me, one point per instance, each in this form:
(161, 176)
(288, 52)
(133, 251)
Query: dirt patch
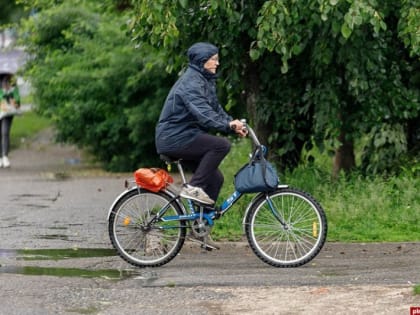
(322, 300)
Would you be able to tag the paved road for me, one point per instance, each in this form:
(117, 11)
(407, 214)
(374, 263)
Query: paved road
(49, 200)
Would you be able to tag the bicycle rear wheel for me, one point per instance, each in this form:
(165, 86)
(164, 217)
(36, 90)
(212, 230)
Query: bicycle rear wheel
(286, 228)
(138, 242)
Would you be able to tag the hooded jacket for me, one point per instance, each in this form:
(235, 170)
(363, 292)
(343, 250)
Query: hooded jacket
(191, 107)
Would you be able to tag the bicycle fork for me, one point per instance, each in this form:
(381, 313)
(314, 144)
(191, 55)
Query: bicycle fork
(275, 212)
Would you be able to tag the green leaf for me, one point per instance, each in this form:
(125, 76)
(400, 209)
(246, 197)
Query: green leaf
(346, 30)
(297, 49)
(335, 27)
(183, 3)
(254, 54)
(284, 67)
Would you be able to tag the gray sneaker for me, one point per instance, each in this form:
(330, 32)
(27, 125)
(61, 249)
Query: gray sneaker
(197, 194)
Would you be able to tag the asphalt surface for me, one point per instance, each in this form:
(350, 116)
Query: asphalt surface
(52, 199)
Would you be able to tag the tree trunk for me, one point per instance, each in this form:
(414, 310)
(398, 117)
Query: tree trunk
(252, 96)
(413, 136)
(344, 158)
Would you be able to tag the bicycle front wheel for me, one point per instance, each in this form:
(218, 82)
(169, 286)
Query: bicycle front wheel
(137, 240)
(286, 228)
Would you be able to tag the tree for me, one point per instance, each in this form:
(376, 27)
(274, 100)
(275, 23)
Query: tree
(272, 101)
(9, 13)
(347, 67)
(323, 72)
(361, 75)
(102, 92)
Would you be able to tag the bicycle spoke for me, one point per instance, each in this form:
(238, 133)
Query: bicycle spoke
(136, 238)
(294, 242)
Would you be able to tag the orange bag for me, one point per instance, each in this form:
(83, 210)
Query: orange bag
(153, 179)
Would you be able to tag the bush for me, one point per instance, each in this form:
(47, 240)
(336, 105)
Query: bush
(102, 93)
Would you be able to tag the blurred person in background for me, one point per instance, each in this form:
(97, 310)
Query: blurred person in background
(9, 104)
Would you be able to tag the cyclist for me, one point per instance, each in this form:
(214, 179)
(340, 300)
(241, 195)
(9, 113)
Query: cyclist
(191, 111)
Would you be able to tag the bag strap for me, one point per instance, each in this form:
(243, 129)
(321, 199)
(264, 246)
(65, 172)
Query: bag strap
(258, 155)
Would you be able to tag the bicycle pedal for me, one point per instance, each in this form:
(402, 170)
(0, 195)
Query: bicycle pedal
(194, 240)
(209, 243)
(207, 247)
(203, 245)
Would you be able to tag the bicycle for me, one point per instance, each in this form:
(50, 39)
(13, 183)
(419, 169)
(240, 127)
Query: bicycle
(286, 227)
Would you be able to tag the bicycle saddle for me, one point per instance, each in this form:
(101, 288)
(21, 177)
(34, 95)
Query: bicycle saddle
(168, 159)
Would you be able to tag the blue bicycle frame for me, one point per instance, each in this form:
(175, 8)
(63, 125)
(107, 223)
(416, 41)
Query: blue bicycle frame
(194, 215)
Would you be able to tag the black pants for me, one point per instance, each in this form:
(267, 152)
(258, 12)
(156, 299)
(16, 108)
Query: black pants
(5, 125)
(203, 156)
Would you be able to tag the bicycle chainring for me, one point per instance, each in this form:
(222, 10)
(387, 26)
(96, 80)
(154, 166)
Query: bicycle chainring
(200, 228)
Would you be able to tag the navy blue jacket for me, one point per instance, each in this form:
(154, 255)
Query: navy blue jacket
(192, 106)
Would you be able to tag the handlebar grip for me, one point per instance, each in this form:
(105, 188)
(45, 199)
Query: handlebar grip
(233, 127)
(244, 127)
(243, 121)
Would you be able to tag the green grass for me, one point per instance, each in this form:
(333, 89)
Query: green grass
(417, 289)
(358, 208)
(26, 126)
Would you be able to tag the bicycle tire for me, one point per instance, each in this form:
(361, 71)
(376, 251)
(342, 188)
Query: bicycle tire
(294, 244)
(134, 241)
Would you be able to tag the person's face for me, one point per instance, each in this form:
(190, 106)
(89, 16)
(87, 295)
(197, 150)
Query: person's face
(212, 64)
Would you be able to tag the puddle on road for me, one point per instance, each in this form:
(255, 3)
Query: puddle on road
(61, 254)
(111, 274)
(56, 254)
(62, 237)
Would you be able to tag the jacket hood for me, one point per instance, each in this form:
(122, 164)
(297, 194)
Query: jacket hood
(199, 53)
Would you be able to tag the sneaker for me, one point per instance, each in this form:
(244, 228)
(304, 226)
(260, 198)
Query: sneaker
(196, 193)
(6, 162)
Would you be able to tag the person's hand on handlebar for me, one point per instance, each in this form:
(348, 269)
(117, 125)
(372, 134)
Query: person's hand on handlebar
(239, 127)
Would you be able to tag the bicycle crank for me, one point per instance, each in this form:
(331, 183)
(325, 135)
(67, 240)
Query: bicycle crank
(200, 228)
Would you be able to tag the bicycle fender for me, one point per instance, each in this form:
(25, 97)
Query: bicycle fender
(118, 199)
(166, 192)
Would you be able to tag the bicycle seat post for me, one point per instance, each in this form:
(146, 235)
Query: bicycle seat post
(181, 172)
(169, 160)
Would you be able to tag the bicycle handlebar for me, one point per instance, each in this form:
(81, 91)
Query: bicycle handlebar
(251, 132)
